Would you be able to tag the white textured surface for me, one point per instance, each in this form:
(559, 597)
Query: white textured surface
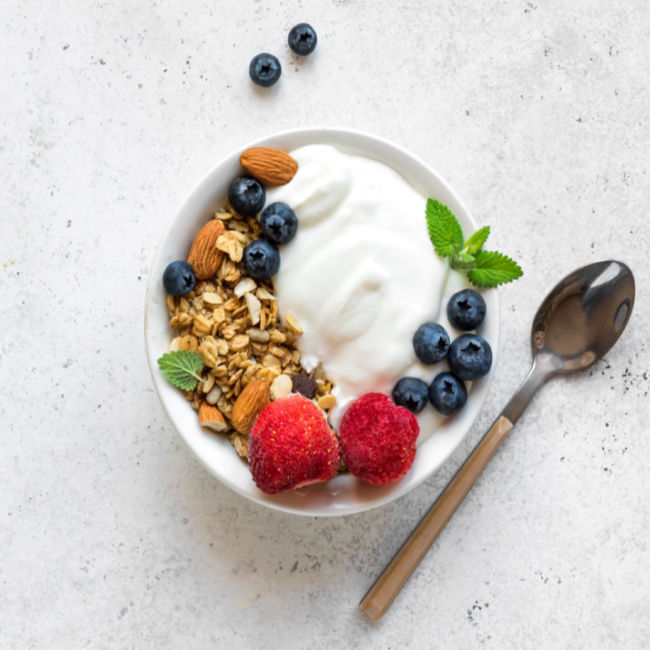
(111, 534)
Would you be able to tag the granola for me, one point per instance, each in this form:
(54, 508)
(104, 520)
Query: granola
(231, 320)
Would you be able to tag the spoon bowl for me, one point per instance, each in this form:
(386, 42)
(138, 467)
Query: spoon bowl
(582, 317)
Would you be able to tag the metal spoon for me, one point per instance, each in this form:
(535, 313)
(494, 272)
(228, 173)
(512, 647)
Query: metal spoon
(576, 325)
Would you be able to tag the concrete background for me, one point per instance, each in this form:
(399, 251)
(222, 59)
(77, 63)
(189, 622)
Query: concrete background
(111, 534)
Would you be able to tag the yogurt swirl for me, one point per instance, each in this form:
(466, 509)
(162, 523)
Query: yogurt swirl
(361, 275)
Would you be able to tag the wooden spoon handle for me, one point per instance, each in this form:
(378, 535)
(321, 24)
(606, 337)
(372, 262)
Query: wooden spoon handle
(389, 583)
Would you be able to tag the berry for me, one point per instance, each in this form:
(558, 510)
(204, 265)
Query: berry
(261, 259)
(246, 195)
(411, 393)
(178, 278)
(466, 309)
(378, 439)
(264, 69)
(291, 445)
(302, 39)
(302, 383)
(447, 393)
(469, 357)
(431, 343)
(279, 223)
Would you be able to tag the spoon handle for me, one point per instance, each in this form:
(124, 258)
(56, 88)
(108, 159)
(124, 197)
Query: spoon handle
(389, 583)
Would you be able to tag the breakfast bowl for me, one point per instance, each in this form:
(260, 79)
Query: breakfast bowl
(343, 494)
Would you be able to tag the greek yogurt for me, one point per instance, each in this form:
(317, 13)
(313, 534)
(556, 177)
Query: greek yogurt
(361, 275)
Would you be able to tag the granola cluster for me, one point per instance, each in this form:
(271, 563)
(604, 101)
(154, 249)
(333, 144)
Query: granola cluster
(232, 322)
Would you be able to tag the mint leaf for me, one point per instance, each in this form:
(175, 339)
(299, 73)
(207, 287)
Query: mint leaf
(492, 269)
(182, 368)
(444, 230)
(474, 243)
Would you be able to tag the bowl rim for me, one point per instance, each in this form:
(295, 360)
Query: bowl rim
(157, 379)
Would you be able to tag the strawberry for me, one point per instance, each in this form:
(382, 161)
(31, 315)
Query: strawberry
(378, 439)
(292, 445)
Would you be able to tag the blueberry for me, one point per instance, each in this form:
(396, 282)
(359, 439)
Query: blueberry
(469, 357)
(430, 342)
(265, 69)
(466, 309)
(261, 259)
(246, 195)
(302, 39)
(447, 393)
(279, 223)
(411, 393)
(179, 278)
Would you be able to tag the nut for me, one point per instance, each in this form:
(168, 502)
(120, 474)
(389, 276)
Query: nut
(244, 286)
(327, 402)
(281, 387)
(213, 396)
(249, 403)
(254, 308)
(271, 166)
(204, 257)
(210, 417)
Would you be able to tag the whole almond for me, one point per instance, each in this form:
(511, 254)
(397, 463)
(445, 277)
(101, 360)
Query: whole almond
(249, 403)
(271, 166)
(211, 418)
(204, 256)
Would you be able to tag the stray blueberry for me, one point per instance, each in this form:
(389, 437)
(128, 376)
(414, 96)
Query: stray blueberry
(469, 357)
(279, 223)
(178, 278)
(246, 196)
(447, 393)
(430, 343)
(265, 69)
(261, 259)
(466, 309)
(411, 393)
(302, 39)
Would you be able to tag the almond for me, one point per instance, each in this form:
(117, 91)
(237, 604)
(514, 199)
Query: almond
(249, 403)
(211, 418)
(271, 166)
(204, 256)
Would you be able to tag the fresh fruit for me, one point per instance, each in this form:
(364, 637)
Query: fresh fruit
(292, 445)
(264, 69)
(430, 343)
(447, 393)
(179, 278)
(249, 403)
(410, 393)
(378, 439)
(302, 383)
(466, 309)
(302, 39)
(279, 223)
(211, 418)
(204, 257)
(261, 259)
(246, 196)
(271, 166)
(469, 357)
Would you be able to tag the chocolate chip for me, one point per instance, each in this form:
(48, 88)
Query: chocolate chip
(304, 384)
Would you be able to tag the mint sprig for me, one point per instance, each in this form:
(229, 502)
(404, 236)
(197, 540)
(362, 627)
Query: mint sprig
(182, 368)
(484, 268)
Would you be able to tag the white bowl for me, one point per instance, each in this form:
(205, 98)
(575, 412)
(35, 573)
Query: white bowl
(344, 494)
